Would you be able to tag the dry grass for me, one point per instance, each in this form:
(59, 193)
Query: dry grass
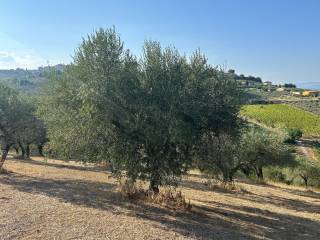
(168, 197)
(58, 200)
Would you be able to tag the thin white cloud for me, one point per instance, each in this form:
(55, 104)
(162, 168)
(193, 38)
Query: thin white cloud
(12, 60)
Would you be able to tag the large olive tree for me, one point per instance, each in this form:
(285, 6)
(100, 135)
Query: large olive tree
(146, 116)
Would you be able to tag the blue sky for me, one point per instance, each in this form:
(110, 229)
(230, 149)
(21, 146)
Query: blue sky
(276, 40)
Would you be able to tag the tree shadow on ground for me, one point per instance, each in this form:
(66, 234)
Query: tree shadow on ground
(63, 166)
(288, 203)
(275, 225)
(203, 222)
(291, 204)
(305, 193)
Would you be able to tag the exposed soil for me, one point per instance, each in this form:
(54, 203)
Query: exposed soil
(58, 200)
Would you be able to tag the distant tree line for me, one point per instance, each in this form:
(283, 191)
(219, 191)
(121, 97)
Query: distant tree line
(28, 81)
(288, 85)
(243, 77)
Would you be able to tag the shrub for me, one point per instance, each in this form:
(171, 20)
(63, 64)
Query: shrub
(293, 135)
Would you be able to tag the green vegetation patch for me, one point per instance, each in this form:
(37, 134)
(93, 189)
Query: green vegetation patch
(285, 117)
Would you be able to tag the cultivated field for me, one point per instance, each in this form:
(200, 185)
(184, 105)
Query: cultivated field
(57, 200)
(285, 117)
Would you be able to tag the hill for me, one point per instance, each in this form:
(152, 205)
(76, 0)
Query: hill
(285, 117)
(28, 81)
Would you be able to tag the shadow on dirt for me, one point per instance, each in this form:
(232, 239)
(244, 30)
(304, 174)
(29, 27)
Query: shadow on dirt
(219, 221)
(63, 166)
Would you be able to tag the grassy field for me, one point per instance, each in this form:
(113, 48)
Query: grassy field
(58, 200)
(285, 117)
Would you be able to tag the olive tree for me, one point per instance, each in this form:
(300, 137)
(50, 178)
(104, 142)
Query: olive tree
(31, 128)
(145, 116)
(308, 171)
(9, 120)
(260, 148)
(108, 106)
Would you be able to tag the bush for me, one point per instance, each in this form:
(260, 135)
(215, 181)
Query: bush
(294, 135)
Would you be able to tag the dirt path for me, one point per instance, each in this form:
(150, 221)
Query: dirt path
(57, 200)
(306, 148)
(306, 151)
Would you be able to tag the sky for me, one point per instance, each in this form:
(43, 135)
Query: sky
(278, 40)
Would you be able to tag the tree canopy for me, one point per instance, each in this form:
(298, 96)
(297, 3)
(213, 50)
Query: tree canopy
(145, 115)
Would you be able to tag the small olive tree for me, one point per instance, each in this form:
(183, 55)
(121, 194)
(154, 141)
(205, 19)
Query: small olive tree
(18, 124)
(260, 148)
(308, 171)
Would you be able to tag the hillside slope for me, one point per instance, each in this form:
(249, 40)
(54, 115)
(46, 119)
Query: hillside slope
(285, 117)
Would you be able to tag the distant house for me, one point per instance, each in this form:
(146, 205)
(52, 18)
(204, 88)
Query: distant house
(244, 83)
(310, 93)
(267, 83)
(296, 93)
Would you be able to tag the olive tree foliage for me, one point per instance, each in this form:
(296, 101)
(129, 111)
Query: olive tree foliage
(222, 156)
(216, 106)
(146, 116)
(76, 106)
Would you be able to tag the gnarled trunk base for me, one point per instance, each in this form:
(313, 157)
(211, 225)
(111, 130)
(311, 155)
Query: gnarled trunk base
(4, 155)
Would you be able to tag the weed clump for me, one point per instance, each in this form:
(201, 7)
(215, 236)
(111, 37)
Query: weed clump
(215, 184)
(168, 197)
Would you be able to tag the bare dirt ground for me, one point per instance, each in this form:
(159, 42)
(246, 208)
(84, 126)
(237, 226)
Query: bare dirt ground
(57, 200)
(306, 148)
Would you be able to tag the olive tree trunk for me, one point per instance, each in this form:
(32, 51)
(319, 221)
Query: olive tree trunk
(28, 151)
(154, 182)
(23, 151)
(260, 173)
(40, 150)
(4, 154)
